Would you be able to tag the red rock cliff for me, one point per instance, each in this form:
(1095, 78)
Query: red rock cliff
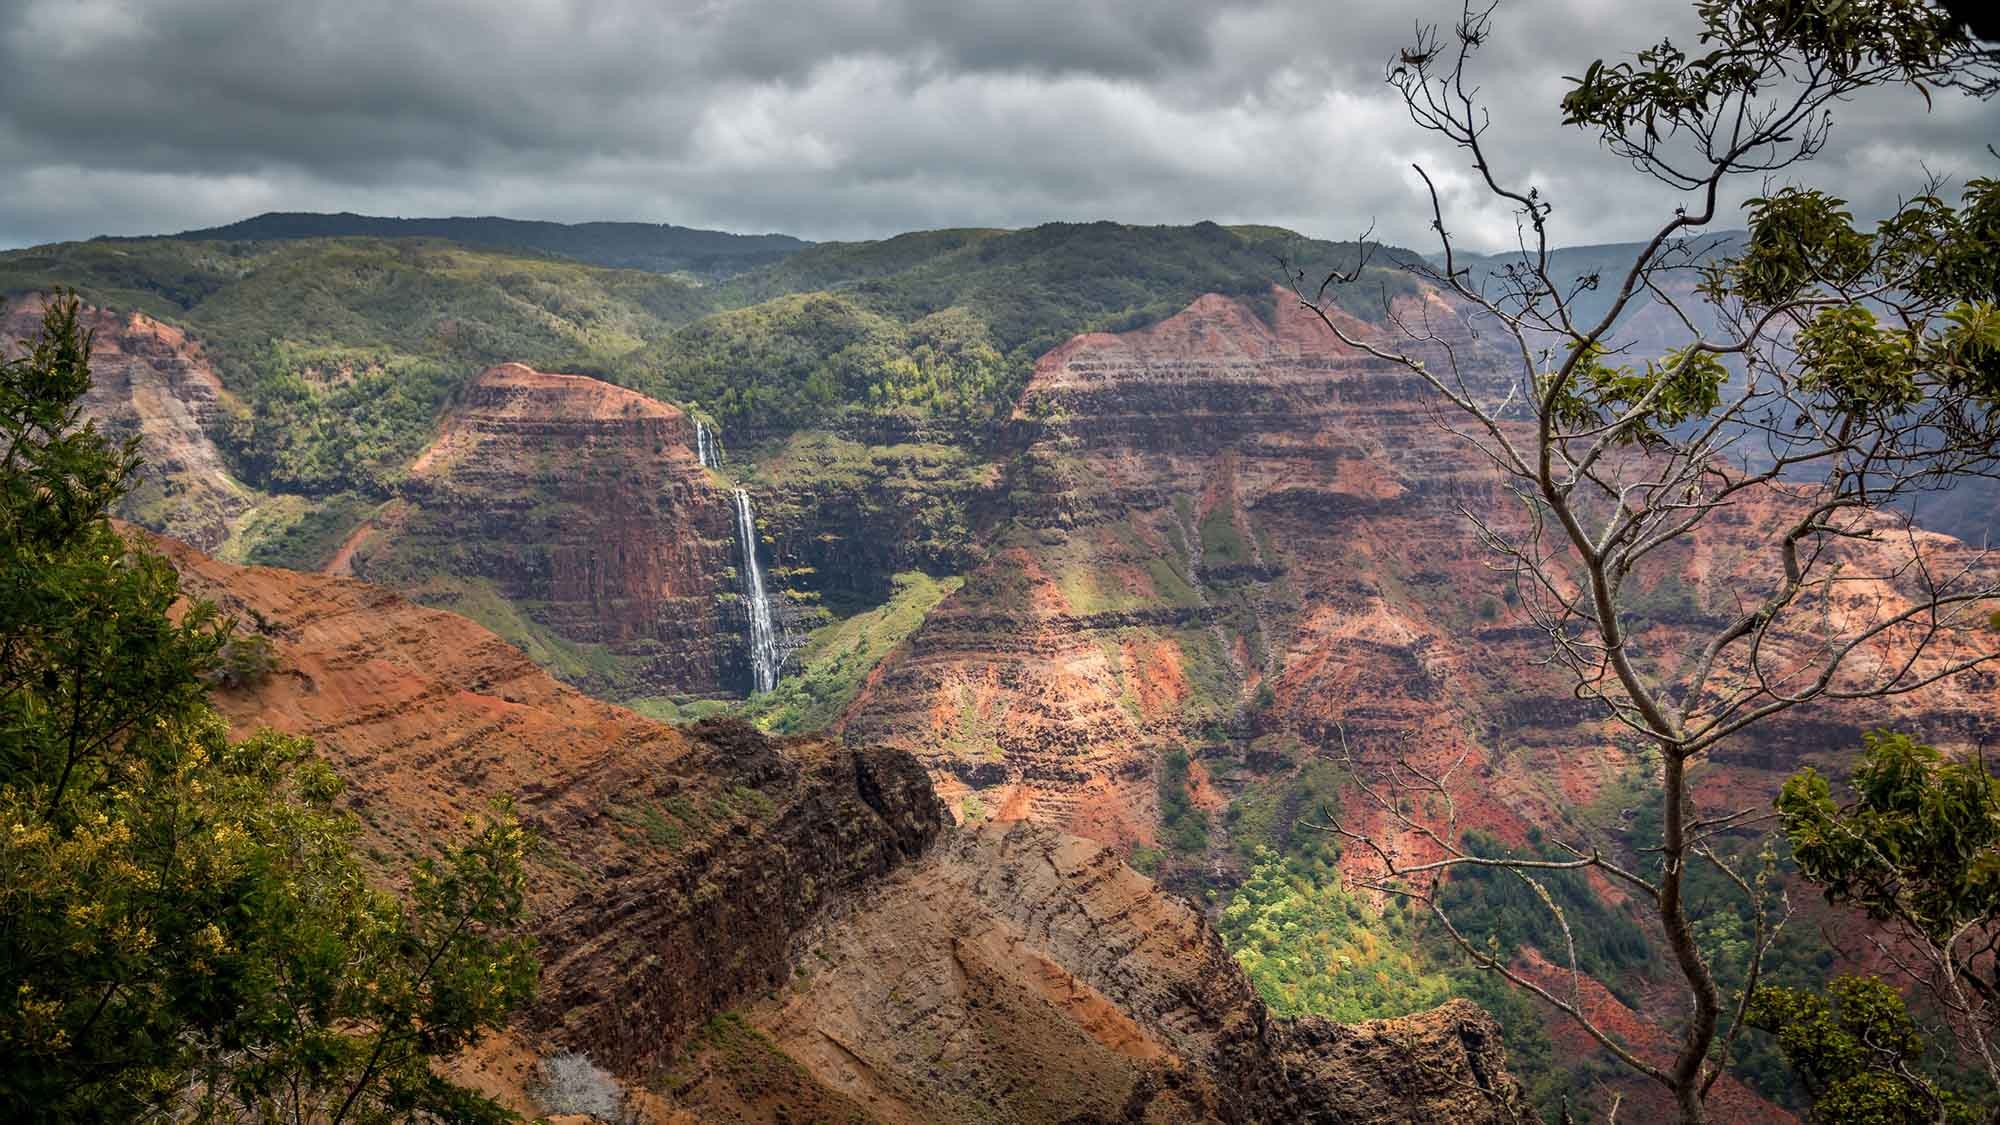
(1227, 527)
(151, 381)
(582, 504)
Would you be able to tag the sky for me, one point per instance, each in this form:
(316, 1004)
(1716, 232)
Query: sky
(836, 119)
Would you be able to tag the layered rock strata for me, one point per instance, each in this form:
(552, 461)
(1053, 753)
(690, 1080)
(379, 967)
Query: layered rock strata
(583, 506)
(1035, 973)
(151, 381)
(1210, 506)
(656, 842)
(1233, 533)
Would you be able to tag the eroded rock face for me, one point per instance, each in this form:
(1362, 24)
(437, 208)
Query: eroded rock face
(1239, 537)
(582, 504)
(677, 866)
(1036, 973)
(151, 381)
(1209, 506)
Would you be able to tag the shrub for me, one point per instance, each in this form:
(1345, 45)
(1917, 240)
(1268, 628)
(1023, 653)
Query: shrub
(571, 1083)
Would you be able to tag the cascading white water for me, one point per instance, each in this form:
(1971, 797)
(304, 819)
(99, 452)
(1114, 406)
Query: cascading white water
(706, 449)
(764, 654)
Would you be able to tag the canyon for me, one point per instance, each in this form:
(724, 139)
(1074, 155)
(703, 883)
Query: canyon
(1193, 566)
(1034, 970)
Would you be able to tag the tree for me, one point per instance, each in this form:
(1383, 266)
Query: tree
(1918, 849)
(186, 931)
(1859, 1055)
(1828, 375)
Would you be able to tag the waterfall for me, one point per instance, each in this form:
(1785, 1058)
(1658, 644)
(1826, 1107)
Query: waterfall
(764, 654)
(706, 449)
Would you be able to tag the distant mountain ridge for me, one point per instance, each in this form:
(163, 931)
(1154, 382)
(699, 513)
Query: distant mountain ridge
(657, 247)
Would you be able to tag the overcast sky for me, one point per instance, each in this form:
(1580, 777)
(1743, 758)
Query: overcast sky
(841, 119)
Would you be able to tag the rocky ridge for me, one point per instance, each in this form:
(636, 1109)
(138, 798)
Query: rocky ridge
(657, 839)
(1038, 975)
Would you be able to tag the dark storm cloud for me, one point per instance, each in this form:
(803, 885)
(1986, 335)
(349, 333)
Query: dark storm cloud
(849, 118)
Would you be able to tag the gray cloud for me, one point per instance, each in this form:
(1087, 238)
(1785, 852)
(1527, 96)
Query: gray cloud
(837, 119)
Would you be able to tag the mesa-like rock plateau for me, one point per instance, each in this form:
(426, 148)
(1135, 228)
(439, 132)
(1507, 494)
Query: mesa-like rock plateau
(583, 507)
(880, 965)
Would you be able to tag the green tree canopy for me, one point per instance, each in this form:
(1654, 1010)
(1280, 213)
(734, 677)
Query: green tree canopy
(1918, 849)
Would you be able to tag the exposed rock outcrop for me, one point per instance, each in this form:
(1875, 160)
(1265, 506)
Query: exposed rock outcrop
(1209, 505)
(677, 865)
(1228, 526)
(1035, 973)
(151, 381)
(583, 505)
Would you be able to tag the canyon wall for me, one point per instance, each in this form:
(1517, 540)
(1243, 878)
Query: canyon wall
(1217, 515)
(583, 507)
(150, 381)
(1232, 535)
(656, 841)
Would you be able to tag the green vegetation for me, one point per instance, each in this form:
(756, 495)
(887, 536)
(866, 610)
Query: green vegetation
(1037, 287)
(666, 709)
(1312, 947)
(1859, 1055)
(917, 493)
(947, 325)
(186, 927)
(789, 362)
(1184, 822)
(1221, 544)
(657, 247)
(590, 665)
(1499, 907)
(838, 657)
(1279, 815)
(1918, 848)
(305, 537)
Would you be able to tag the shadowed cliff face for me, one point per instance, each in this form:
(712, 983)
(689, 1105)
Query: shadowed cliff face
(150, 381)
(583, 505)
(685, 871)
